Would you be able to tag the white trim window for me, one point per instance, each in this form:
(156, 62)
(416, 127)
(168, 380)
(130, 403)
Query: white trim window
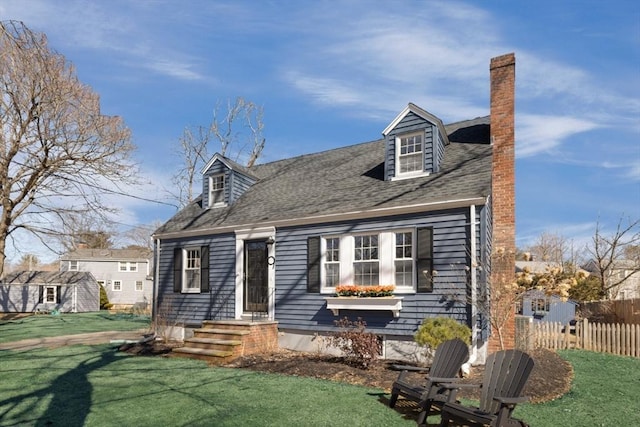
(49, 295)
(124, 266)
(116, 285)
(382, 258)
(73, 265)
(366, 266)
(191, 279)
(403, 262)
(410, 154)
(332, 262)
(138, 285)
(216, 190)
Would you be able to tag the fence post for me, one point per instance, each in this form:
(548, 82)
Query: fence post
(524, 333)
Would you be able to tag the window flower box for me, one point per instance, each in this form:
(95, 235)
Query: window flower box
(350, 297)
(375, 291)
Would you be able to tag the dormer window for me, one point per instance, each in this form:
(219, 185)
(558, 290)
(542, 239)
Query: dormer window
(410, 149)
(216, 190)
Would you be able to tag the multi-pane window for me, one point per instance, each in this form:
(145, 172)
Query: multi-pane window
(410, 154)
(404, 259)
(117, 285)
(192, 269)
(401, 257)
(539, 304)
(73, 265)
(216, 190)
(138, 285)
(366, 267)
(49, 294)
(332, 262)
(127, 266)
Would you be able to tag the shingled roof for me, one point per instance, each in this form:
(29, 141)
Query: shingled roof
(344, 181)
(48, 278)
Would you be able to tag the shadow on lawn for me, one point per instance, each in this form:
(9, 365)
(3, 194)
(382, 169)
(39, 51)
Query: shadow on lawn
(71, 394)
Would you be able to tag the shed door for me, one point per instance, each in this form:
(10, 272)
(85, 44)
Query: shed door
(256, 282)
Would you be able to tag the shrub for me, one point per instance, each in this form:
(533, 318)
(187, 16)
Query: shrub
(436, 330)
(104, 299)
(360, 348)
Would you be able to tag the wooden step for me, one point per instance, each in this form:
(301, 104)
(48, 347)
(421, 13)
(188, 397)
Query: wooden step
(212, 343)
(211, 356)
(220, 333)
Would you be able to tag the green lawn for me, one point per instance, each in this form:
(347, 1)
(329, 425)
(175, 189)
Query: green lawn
(97, 386)
(42, 326)
(604, 392)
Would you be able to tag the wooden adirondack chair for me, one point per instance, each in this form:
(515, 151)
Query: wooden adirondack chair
(505, 375)
(447, 361)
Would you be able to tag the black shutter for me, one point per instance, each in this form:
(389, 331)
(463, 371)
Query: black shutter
(58, 292)
(204, 269)
(424, 260)
(41, 294)
(313, 264)
(177, 270)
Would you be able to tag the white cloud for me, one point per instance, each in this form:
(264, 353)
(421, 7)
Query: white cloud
(537, 134)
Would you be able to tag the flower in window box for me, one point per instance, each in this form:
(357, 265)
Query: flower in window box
(365, 291)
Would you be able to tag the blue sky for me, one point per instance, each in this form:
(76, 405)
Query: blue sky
(336, 73)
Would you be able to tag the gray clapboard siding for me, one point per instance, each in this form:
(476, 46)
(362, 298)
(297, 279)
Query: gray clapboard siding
(308, 311)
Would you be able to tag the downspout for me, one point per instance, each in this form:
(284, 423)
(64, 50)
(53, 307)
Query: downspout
(473, 270)
(154, 293)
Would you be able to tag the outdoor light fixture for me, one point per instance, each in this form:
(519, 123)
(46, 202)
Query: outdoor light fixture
(270, 240)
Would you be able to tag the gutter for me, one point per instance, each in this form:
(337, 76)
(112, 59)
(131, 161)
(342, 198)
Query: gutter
(315, 219)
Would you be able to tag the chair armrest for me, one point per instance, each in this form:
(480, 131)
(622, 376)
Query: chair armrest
(511, 400)
(410, 368)
(459, 385)
(442, 381)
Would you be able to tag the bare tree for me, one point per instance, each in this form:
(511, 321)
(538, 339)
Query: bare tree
(192, 150)
(88, 230)
(550, 247)
(140, 237)
(609, 254)
(239, 132)
(242, 126)
(58, 153)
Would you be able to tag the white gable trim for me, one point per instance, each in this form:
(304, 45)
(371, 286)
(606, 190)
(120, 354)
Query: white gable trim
(413, 108)
(216, 157)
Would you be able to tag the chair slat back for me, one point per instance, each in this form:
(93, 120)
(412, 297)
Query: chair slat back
(449, 357)
(506, 373)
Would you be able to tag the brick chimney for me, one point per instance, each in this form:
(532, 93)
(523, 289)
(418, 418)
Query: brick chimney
(502, 75)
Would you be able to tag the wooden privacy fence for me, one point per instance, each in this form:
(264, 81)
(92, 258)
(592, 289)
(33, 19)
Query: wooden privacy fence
(619, 339)
(612, 311)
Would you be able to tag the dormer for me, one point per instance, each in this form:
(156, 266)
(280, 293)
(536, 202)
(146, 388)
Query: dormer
(415, 142)
(224, 181)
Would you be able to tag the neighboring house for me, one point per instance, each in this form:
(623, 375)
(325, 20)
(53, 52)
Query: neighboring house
(44, 291)
(125, 274)
(547, 308)
(542, 307)
(623, 271)
(411, 210)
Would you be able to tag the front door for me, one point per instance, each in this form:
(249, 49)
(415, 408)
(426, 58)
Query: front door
(256, 274)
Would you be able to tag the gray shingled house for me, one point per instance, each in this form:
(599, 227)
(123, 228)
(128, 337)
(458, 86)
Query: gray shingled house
(45, 291)
(271, 243)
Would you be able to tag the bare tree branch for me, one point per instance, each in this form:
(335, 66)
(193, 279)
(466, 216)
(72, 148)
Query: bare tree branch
(57, 151)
